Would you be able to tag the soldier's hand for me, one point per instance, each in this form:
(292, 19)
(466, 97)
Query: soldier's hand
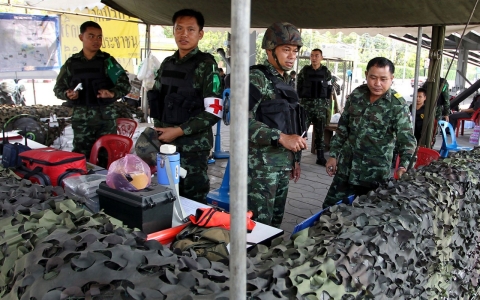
(331, 166)
(293, 142)
(295, 174)
(105, 94)
(71, 94)
(400, 171)
(168, 134)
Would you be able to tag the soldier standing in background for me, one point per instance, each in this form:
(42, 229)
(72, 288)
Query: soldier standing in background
(374, 121)
(186, 102)
(6, 91)
(103, 82)
(275, 135)
(19, 97)
(443, 105)
(293, 77)
(315, 89)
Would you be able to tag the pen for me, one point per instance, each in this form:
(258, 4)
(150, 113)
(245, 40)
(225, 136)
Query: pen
(303, 134)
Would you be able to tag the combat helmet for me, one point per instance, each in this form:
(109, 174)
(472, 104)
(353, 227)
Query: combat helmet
(281, 33)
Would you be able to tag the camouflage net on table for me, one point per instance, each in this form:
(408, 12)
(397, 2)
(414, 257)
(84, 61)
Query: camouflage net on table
(411, 239)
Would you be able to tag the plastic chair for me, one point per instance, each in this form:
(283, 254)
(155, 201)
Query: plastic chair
(446, 146)
(117, 146)
(424, 157)
(461, 122)
(126, 127)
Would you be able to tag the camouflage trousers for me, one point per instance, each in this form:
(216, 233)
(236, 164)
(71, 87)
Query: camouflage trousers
(317, 113)
(89, 124)
(267, 195)
(196, 184)
(341, 189)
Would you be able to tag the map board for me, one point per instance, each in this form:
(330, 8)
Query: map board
(29, 43)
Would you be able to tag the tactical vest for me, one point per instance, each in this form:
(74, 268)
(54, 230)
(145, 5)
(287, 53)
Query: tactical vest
(315, 84)
(93, 78)
(283, 112)
(177, 100)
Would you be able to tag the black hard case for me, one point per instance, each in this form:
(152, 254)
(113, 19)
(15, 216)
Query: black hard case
(149, 209)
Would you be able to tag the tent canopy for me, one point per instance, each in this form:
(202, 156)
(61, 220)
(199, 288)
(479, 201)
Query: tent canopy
(320, 14)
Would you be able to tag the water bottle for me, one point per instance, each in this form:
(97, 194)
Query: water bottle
(162, 174)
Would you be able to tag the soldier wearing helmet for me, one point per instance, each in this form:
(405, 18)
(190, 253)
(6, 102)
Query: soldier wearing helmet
(6, 91)
(315, 89)
(276, 126)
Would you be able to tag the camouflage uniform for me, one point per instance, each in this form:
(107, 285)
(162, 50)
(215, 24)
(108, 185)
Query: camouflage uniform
(317, 109)
(443, 108)
(6, 98)
(90, 122)
(269, 165)
(366, 136)
(194, 146)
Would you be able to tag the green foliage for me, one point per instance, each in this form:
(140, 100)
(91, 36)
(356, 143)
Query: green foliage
(211, 41)
(261, 55)
(168, 31)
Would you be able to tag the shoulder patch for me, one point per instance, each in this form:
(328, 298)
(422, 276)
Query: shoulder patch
(399, 97)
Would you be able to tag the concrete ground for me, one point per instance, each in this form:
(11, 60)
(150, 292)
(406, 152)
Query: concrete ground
(305, 197)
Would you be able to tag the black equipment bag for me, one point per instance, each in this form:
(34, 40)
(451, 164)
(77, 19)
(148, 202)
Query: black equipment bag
(10, 152)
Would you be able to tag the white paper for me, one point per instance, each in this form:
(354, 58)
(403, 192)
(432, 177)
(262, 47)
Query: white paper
(190, 206)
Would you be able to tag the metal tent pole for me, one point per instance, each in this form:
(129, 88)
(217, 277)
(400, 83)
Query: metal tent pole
(144, 91)
(435, 55)
(239, 146)
(415, 78)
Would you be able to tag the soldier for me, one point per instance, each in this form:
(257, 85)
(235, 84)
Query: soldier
(419, 113)
(103, 82)
(443, 105)
(276, 126)
(6, 91)
(374, 121)
(186, 102)
(315, 89)
(18, 95)
(293, 77)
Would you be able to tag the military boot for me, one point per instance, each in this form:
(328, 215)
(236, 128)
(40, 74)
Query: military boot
(321, 158)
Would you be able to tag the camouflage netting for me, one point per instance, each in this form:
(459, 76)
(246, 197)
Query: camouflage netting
(412, 239)
(45, 134)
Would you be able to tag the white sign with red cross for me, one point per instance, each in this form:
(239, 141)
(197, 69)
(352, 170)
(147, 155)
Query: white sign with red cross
(214, 106)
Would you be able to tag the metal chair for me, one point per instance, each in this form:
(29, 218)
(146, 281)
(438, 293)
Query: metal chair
(461, 122)
(126, 127)
(446, 146)
(117, 146)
